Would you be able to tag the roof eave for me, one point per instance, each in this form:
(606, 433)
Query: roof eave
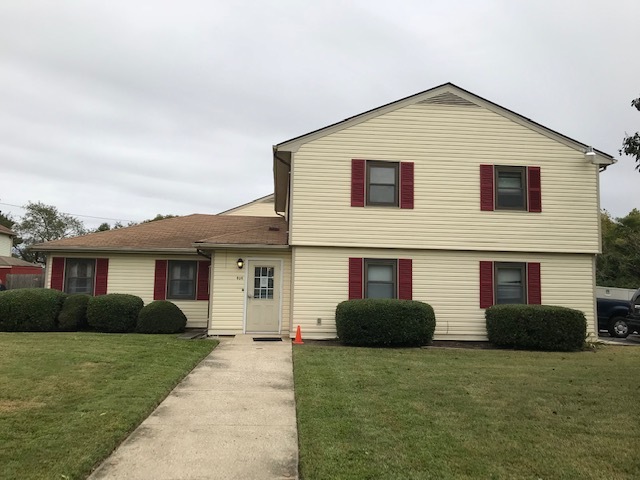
(238, 246)
(59, 248)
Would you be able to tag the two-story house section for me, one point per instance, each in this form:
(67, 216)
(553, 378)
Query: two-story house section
(442, 197)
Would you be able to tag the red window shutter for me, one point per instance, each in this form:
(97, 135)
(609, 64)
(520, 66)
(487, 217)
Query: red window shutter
(203, 280)
(486, 284)
(358, 175)
(160, 281)
(535, 192)
(102, 272)
(355, 278)
(405, 279)
(57, 273)
(534, 287)
(406, 185)
(486, 187)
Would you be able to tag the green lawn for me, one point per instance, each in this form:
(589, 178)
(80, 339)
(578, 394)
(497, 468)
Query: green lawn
(68, 399)
(458, 413)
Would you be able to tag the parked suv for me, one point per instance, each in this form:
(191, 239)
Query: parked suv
(619, 317)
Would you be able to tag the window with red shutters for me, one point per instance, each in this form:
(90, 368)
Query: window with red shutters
(382, 183)
(510, 282)
(380, 278)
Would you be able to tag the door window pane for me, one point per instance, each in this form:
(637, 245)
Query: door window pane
(263, 278)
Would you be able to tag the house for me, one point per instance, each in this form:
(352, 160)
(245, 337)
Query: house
(11, 265)
(443, 197)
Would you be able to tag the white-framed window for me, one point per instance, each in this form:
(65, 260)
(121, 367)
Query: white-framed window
(79, 275)
(181, 280)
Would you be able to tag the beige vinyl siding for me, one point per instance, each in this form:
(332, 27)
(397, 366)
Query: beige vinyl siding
(447, 280)
(5, 245)
(227, 301)
(134, 274)
(447, 143)
(261, 209)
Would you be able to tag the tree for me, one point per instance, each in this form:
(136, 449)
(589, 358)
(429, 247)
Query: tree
(43, 223)
(631, 143)
(159, 217)
(619, 263)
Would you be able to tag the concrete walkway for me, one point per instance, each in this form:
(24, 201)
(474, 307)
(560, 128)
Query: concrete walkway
(232, 417)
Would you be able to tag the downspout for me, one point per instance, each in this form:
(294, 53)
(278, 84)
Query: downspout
(202, 254)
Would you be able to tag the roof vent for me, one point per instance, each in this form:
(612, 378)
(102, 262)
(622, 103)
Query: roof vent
(274, 229)
(447, 98)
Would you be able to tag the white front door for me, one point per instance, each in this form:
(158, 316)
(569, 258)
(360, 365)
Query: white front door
(263, 297)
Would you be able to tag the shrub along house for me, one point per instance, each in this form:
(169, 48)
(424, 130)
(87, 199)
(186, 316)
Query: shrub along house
(442, 197)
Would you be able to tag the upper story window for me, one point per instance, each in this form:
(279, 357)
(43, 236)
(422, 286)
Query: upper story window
(382, 183)
(379, 183)
(181, 283)
(511, 188)
(79, 275)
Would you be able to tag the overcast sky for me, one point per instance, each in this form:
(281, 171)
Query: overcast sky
(126, 109)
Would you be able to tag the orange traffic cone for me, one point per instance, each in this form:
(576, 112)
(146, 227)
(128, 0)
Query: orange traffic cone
(298, 340)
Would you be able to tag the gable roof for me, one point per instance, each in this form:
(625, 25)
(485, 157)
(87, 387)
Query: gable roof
(456, 95)
(6, 231)
(178, 234)
(447, 94)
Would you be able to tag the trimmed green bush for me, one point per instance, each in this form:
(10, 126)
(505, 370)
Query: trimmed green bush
(114, 313)
(536, 327)
(73, 315)
(385, 323)
(30, 309)
(161, 316)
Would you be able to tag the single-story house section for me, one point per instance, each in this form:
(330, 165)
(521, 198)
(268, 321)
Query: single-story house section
(442, 197)
(183, 259)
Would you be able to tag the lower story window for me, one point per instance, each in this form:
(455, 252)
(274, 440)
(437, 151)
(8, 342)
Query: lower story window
(380, 278)
(79, 275)
(181, 283)
(510, 283)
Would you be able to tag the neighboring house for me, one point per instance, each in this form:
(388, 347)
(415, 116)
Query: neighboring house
(442, 197)
(9, 264)
(6, 241)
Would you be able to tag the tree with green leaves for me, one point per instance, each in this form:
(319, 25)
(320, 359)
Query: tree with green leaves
(631, 143)
(619, 263)
(44, 223)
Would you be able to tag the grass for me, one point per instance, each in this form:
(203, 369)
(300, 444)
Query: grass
(68, 399)
(455, 413)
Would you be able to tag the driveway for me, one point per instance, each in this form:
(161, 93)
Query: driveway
(630, 340)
